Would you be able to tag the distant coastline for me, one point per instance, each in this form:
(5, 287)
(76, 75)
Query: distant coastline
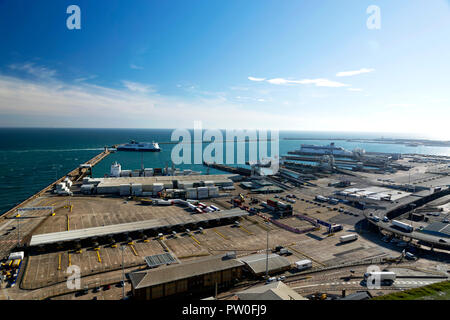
(406, 142)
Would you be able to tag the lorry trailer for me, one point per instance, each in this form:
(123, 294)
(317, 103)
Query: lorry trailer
(383, 276)
(348, 238)
(303, 264)
(402, 225)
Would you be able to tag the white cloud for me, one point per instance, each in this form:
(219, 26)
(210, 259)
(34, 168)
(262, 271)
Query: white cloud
(82, 79)
(32, 69)
(317, 82)
(401, 105)
(85, 105)
(354, 73)
(280, 81)
(133, 66)
(137, 87)
(256, 79)
(355, 89)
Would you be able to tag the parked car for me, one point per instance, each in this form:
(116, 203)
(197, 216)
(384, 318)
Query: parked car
(271, 279)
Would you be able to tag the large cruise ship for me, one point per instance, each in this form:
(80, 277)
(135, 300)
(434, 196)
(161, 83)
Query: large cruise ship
(139, 146)
(330, 149)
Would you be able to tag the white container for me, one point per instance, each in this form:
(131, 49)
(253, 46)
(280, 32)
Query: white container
(16, 255)
(303, 264)
(107, 189)
(348, 238)
(186, 184)
(158, 187)
(168, 185)
(228, 188)
(202, 192)
(404, 226)
(179, 201)
(164, 202)
(135, 173)
(209, 183)
(191, 193)
(125, 173)
(383, 276)
(213, 191)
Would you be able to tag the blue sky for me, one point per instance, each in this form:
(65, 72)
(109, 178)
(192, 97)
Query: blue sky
(293, 64)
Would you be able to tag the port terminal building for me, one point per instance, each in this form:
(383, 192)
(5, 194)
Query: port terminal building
(201, 276)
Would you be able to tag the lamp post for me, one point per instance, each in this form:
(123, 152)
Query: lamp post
(267, 252)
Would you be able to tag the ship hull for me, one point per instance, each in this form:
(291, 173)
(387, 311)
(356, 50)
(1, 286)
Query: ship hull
(138, 150)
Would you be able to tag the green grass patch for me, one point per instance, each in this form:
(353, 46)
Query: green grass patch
(435, 291)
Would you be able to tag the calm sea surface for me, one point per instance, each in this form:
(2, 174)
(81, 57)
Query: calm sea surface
(31, 159)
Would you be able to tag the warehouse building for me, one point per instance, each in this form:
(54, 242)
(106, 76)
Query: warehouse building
(256, 263)
(198, 276)
(272, 291)
(438, 229)
(148, 186)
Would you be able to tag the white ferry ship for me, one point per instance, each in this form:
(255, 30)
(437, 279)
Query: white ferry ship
(330, 149)
(139, 146)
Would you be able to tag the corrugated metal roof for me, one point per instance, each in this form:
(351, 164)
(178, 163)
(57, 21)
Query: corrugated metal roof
(358, 296)
(150, 278)
(438, 228)
(71, 235)
(257, 263)
(272, 291)
(159, 259)
(117, 181)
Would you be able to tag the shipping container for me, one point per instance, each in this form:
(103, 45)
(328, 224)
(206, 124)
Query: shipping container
(303, 264)
(404, 226)
(348, 238)
(383, 276)
(16, 255)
